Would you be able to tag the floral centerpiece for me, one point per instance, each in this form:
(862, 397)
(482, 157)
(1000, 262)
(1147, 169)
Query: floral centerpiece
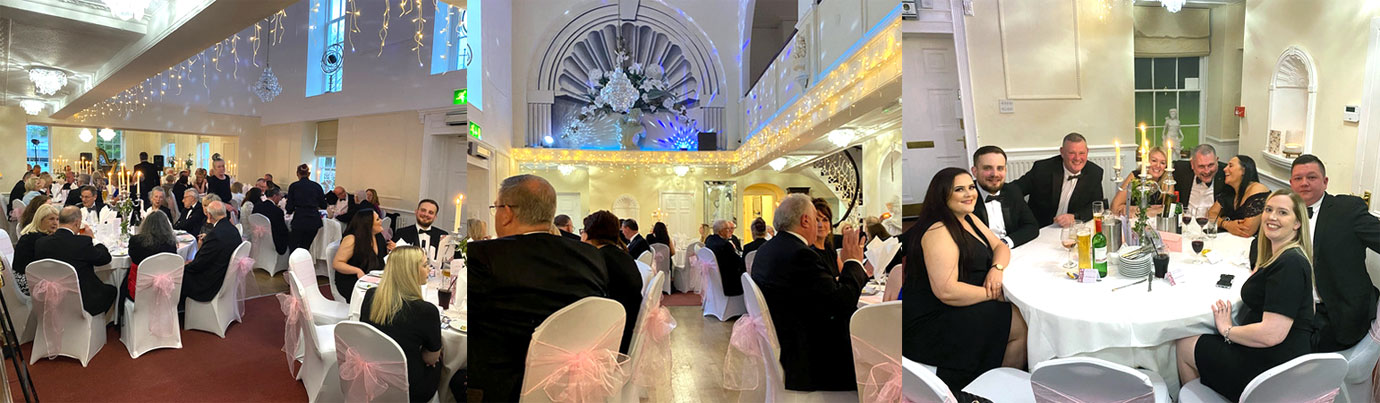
(125, 206)
(630, 88)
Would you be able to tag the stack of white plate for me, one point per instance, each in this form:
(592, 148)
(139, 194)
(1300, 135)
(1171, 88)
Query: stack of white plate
(1140, 266)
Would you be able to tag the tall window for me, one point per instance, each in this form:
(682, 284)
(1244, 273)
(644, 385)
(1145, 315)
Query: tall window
(114, 148)
(450, 43)
(170, 149)
(1165, 83)
(203, 155)
(325, 172)
(326, 47)
(37, 154)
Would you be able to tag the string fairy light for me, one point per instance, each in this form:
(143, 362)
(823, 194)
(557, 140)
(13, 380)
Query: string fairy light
(383, 32)
(418, 20)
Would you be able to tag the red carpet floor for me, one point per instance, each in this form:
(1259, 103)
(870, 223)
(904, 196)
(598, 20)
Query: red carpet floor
(682, 299)
(247, 365)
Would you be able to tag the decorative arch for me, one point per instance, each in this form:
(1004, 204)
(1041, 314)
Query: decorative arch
(625, 206)
(1293, 102)
(654, 32)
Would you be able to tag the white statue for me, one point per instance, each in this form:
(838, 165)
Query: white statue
(1172, 132)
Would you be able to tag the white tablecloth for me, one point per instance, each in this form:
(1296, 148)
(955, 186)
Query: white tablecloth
(1130, 326)
(114, 273)
(454, 351)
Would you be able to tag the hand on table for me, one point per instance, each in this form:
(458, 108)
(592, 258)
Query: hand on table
(1221, 314)
(1064, 220)
(993, 284)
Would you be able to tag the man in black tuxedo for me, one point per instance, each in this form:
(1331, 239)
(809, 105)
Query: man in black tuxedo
(759, 235)
(19, 190)
(182, 184)
(1062, 188)
(518, 280)
(268, 181)
(636, 244)
(731, 266)
(269, 209)
(1200, 181)
(811, 302)
(1342, 230)
(566, 226)
(149, 178)
(71, 244)
(335, 196)
(204, 275)
(1001, 207)
(193, 216)
(426, 216)
(91, 208)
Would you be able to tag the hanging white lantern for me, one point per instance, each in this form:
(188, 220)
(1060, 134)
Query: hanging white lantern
(85, 135)
(32, 106)
(107, 134)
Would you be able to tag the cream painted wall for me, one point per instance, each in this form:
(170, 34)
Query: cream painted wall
(882, 173)
(382, 152)
(12, 139)
(1105, 109)
(1223, 92)
(1335, 37)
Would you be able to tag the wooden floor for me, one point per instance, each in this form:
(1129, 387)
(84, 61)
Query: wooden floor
(698, 346)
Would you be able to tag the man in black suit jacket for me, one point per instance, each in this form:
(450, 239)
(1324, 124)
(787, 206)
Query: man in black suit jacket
(759, 235)
(335, 196)
(636, 244)
(1342, 230)
(150, 177)
(204, 275)
(426, 216)
(18, 191)
(1017, 225)
(71, 244)
(269, 208)
(810, 301)
(1048, 184)
(1204, 172)
(731, 266)
(567, 228)
(193, 217)
(518, 280)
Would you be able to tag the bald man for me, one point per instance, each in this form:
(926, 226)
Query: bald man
(72, 244)
(204, 275)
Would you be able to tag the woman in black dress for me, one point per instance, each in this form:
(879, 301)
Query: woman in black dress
(397, 309)
(304, 200)
(824, 234)
(1276, 319)
(1240, 215)
(662, 236)
(361, 251)
(43, 223)
(625, 281)
(155, 236)
(957, 318)
(218, 183)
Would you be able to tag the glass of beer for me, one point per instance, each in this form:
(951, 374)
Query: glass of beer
(1084, 246)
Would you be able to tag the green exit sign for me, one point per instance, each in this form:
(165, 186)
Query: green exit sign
(475, 131)
(461, 97)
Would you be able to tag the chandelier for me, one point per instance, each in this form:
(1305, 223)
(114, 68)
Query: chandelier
(31, 106)
(842, 137)
(1173, 5)
(127, 9)
(619, 94)
(107, 134)
(85, 135)
(47, 81)
(267, 87)
(777, 164)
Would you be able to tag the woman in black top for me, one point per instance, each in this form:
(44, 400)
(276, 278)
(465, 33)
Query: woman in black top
(662, 236)
(1276, 319)
(361, 251)
(625, 280)
(956, 317)
(1240, 214)
(155, 236)
(396, 308)
(44, 222)
(304, 200)
(824, 239)
(218, 183)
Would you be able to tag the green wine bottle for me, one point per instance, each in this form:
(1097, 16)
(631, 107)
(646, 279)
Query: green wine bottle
(1099, 247)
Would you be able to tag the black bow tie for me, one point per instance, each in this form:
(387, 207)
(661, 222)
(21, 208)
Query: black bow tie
(1200, 182)
(992, 198)
(1310, 212)
(1072, 177)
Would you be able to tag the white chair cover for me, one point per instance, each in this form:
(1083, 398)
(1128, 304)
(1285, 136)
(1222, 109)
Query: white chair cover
(6, 249)
(329, 232)
(247, 209)
(151, 320)
(320, 373)
(1089, 380)
(1311, 378)
(922, 385)
(20, 305)
(387, 227)
(690, 278)
(646, 271)
(876, 334)
(649, 354)
(12, 217)
(747, 260)
(574, 354)
(214, 316)
(646, 257)
(716, 303)
(1361, 358)
(1003, 385)
(661, 262)
(323, 311)
(769, 385)
(372, 365)
(330, 270)
(894, 280)
(64, 328)
(265, 251)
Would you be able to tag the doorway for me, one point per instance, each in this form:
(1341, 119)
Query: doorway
(932, 131)
(759, 200)
(676, 213)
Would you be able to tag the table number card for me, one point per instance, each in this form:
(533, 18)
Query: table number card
(1175, 275)
(1088, 276)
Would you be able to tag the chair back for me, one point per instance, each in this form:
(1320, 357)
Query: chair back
(692, 249)
(876, 334)
(921, 385)
(747, 260)
(574, 352)
(7, 248)
(1309, 378)
(159, 287)
(307, 326)
(57, 301)
(1091, 380)
(372, 365)
(330, 269)
(646, 271)
(649, 352)
(20, 305)
(894, 280)
(232, 278)
(757, 307)
(646, 257)
(710, 280)
(260, 233)
(661, 257)
(247, 209)
(301, 263)
(17, 206)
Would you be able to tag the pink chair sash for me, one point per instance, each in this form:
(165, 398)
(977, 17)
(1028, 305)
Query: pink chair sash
(1328, 397)
(16, 214)
(244, 273)
(368, 379)
(259, 231)
(51, 293)
(1045, 393)
(745, 362)
(292, 328)
(878, 374)
(584, 376)
(654, 360)
(707, 276)
(164, 320)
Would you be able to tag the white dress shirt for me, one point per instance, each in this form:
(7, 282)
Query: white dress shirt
(1201, 196)
(1313, 230)
(996, 221)
(1066, 192)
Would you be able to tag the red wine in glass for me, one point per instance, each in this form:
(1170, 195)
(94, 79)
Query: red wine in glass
(1202, 221)
(1187, 219)
(1197, 246)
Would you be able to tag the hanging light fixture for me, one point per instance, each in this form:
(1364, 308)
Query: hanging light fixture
(681, 170)
(777, 164)
(127, 9)
(47, 81)
(107, 134)
(565, 169)
(32, 106)
(267, 87)
(842, 137)
(1172, 5)
(85, 135)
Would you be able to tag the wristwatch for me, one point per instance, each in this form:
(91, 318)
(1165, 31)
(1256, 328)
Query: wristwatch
(999, 267)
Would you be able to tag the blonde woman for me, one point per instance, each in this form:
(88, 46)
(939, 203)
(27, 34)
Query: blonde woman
(476, 229)
(396, 308)
(1158, 162)
(45, 221)
(32, 188)
(1275, 324)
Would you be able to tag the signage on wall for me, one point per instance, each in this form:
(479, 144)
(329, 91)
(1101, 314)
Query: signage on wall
(475, 131)
(461, 97)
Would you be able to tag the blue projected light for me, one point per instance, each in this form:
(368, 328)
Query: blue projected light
(474, 79)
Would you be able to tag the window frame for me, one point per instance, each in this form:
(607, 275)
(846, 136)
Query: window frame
(1155, 128)
(44, 149)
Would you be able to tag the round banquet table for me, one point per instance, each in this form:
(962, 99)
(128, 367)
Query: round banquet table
(454, 350)
(1130, 326)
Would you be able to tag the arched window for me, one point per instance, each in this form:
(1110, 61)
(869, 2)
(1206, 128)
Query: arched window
(1293, 96)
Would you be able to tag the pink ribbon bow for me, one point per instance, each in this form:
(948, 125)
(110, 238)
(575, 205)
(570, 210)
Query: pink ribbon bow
(707, 276)
(164, 321)
(583, 376)
(368, 379)
(295, 313)
(747, 354)
(259, 231)
(244, 272)
(878, 373)
(16, 214)
(654, 361)
(51, 293)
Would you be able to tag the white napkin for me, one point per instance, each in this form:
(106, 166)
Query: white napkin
(881, 252)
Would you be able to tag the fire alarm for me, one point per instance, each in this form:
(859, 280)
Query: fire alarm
(1240, 111)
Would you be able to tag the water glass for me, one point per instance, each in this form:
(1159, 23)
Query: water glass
(1068, 237)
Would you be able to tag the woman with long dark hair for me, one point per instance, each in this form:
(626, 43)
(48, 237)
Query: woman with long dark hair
(956, 316)
(662, 236)
(824, 234)
(625, 281)
(1240, 214)
(361, 251)
(155, 236)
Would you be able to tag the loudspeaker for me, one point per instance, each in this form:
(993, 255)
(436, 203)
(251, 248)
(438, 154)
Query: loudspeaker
(709, 141)
(805, 190)
(158, 162)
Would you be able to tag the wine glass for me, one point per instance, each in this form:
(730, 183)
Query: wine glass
(1210, 232)
(1068, 236)
(1187, 217)
(1197, 242)
(1097, 210)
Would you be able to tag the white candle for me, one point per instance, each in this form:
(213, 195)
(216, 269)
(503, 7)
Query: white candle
(459, 199)
(1116, 144)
